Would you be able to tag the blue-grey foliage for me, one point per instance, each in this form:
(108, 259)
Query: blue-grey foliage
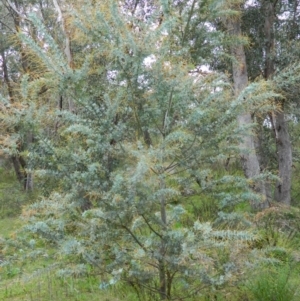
(144, 135)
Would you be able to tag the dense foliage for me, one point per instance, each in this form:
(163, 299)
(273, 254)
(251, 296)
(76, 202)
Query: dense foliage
(108, 115)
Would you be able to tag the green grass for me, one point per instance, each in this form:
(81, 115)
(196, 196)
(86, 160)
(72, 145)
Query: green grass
(273, 284)
(48, 287)
(12, 198)
(30, 282)
(36, 281)
(9, 225)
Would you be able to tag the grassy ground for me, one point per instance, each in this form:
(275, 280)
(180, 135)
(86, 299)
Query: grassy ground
(30, 282)
(48, 287)
(35, 281)
(17, 282)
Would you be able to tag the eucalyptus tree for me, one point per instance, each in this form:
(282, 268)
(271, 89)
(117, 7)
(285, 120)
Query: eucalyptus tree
(272, 28)
(283, 143)
(259, 34)
(249, 158)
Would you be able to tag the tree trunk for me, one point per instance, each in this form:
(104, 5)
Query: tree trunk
(29, 174)
(284, 153)
(249, 157)
(67, 50)
(162, 251)
(282, 137)
(263, 156)
(18, 162)
(6, 78)
(17, 168)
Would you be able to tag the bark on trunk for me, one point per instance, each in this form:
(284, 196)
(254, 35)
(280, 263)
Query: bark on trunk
(162, 251)
(29, 174)
(6, 78)
(17, 161)
(17, 168)
(249, 157)
(262, 156)
(282, 137)
(284, 153)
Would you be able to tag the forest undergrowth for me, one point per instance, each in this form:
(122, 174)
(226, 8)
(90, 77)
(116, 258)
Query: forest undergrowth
(36, 279)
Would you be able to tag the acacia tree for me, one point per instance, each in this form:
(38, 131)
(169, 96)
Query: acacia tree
(145, 135)
(147, 131)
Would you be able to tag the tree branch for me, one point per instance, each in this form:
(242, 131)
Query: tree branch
(134, 237)
(12, 6)
(151, 228)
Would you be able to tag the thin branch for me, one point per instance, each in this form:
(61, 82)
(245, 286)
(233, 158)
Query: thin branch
(42, 10)
(188, 22)
(151, 228)
(179, 171)
(168, 110)
(135, 7)
(153, 265)
(152, 289)
(12, 6)
(196, 290)
(7, 26)
(134, 237)
(171, 165)
(154, 171)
